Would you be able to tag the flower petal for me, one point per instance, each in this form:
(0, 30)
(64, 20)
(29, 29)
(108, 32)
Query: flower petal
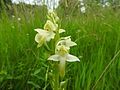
(64, 38)
(50, 36)
(72, 58)
(67, 42)
(61, 30)
(70, 43)
(54, 57)
(41, 31)
(38, 37)
(49, 26)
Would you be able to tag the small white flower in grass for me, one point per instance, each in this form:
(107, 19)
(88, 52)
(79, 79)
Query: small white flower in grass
(62, 54)
(19, 19)
(81, 0)
(107, 4)
(82, 4)
(13, 16)
(103, 6)
(83, 9)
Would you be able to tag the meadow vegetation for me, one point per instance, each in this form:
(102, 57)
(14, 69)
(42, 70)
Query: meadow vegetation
(97, 34)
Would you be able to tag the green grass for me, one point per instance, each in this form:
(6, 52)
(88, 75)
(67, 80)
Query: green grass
(97, 34)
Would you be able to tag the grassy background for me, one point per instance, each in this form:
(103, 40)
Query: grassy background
(97, 33)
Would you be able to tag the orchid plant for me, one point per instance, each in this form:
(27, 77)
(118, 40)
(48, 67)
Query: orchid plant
(51, 31)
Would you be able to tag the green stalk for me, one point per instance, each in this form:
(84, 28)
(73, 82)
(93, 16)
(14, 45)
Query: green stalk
(56, 78)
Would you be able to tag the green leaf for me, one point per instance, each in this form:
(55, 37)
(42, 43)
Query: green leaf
(37, 71)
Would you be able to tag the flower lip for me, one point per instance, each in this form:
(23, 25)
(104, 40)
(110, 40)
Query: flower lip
(67, 57)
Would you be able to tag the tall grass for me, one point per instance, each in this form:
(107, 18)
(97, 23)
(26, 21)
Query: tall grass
(23, 66)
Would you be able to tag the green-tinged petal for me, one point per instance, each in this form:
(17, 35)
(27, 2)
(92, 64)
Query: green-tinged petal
(54, 57)
(71, 58)
(66, 42)
(70, 43)
(64, 38)
(43, 36)
(49, 26)
(61, 30)
(42, 33)
(40, 44)
(38, 30)
(50, 36)
(39, 39)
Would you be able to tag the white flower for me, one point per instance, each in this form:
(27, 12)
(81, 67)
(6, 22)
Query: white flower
(61, 30)
(19, 19)
(103, 6)
(82, 4)
(66, 57)
(43, 36)
(62, 53)
(13, 16)
(81, 0)
(83, 9)
(46, 34)
(107, 4)
(62, 56)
